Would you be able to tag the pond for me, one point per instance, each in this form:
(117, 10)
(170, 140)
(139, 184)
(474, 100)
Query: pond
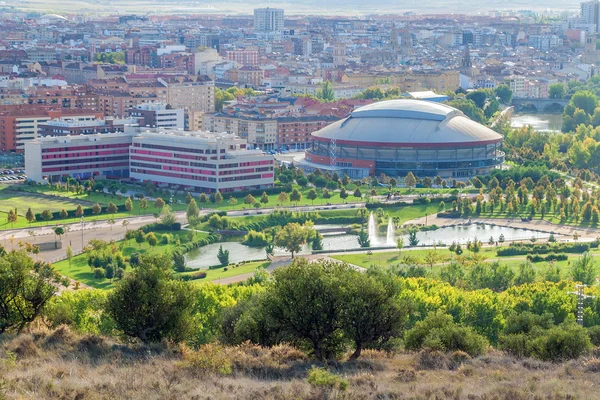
(539, 122)
(206, 256)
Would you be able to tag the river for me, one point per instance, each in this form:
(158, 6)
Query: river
(539, 122)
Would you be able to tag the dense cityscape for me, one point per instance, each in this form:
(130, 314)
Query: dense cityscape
(296, 202)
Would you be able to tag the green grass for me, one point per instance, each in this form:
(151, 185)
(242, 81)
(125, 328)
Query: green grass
(80, 271)
(384, 259)
(219, 273)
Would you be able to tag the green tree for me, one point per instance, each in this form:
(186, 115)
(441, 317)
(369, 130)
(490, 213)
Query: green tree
(325, 93)
(193, 212)
(30, 217)
(400, 244)
(203, 198)
(151, 239)
(469, 108)
(69, 254)
(232, 201)
(282, 198)
(223, 256)
(556, 91)
(167, 217)
(312, 195)
(249, 200)
(59, 231)
(295, 196)
(159, 203)
(47, 215)
(112, 208)
(410, 180)
(128, 205)
(178, 261)
(25, 289)
(292, 237)
(11, 217)
(478, 97)
(150, 305)
(503, 93)
(218, 197)
(585, 100)
(412, 237)
(96, 209)
(264, 198)
(139, 237)
(584, 269)
(357, 193)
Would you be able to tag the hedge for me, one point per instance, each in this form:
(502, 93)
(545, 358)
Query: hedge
(519, 249)
(194, 276)
(161, 227)
(206, 217)
(210, 239)
(550, 257)
(259, 192)
(418, 200)
(86, 212)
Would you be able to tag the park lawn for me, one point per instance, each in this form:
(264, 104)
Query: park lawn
(10, 201)
(80, 271)
(213, 275)
(385, 259)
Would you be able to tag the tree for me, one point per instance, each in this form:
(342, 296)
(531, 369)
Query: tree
(282, 198)
(112, 208)
(556, 91)
(526, 274)
(218, 197)
(412, 237)
(150, 305)
(371, 312)
(178, 261)
(47, 215)
(159, 203)
(139, 237)
(393, 183)
(325, 93)
(96, 209)
(128, 205)
(343, 194)
(410, 180)
(167, 217)
(69, 254)
(295, 196)
(193, 211)
(326, 195)
(584, 269)
(264, 198)
(203, 198)
(357, 193)
(232, 201)
(292, 237)
(363, 239)
(11, 217)
(249, 200)
(305, 303)
(223, 256)
(400, 244)
(59, 231)
(143, 205)
(469, 108)
(503, 93)
(151, 239)
(431, 258)
(478, 97)
(584, 100)
(25, 289)
(312, 195)
(30, 217)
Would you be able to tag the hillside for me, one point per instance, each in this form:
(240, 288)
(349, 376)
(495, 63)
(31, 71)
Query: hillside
(60, 364)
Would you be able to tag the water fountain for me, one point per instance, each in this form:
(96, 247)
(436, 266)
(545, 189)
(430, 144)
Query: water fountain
(390, 239)
(372, 230)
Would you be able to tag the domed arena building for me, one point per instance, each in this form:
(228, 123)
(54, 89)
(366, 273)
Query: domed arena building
(399, 136)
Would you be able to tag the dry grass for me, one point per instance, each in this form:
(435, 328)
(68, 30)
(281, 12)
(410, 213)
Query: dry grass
(62, 365)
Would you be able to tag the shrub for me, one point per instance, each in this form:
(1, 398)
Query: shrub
(194, 276)
(99, 273)
(594, 334)
(439, 332)
(322, 378)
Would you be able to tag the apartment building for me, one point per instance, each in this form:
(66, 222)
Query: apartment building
(260, 132)
(19, 124)
(199, 161)
(159, 115)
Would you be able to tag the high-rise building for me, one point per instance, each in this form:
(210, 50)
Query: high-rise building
(268, 19)
(590, 11)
